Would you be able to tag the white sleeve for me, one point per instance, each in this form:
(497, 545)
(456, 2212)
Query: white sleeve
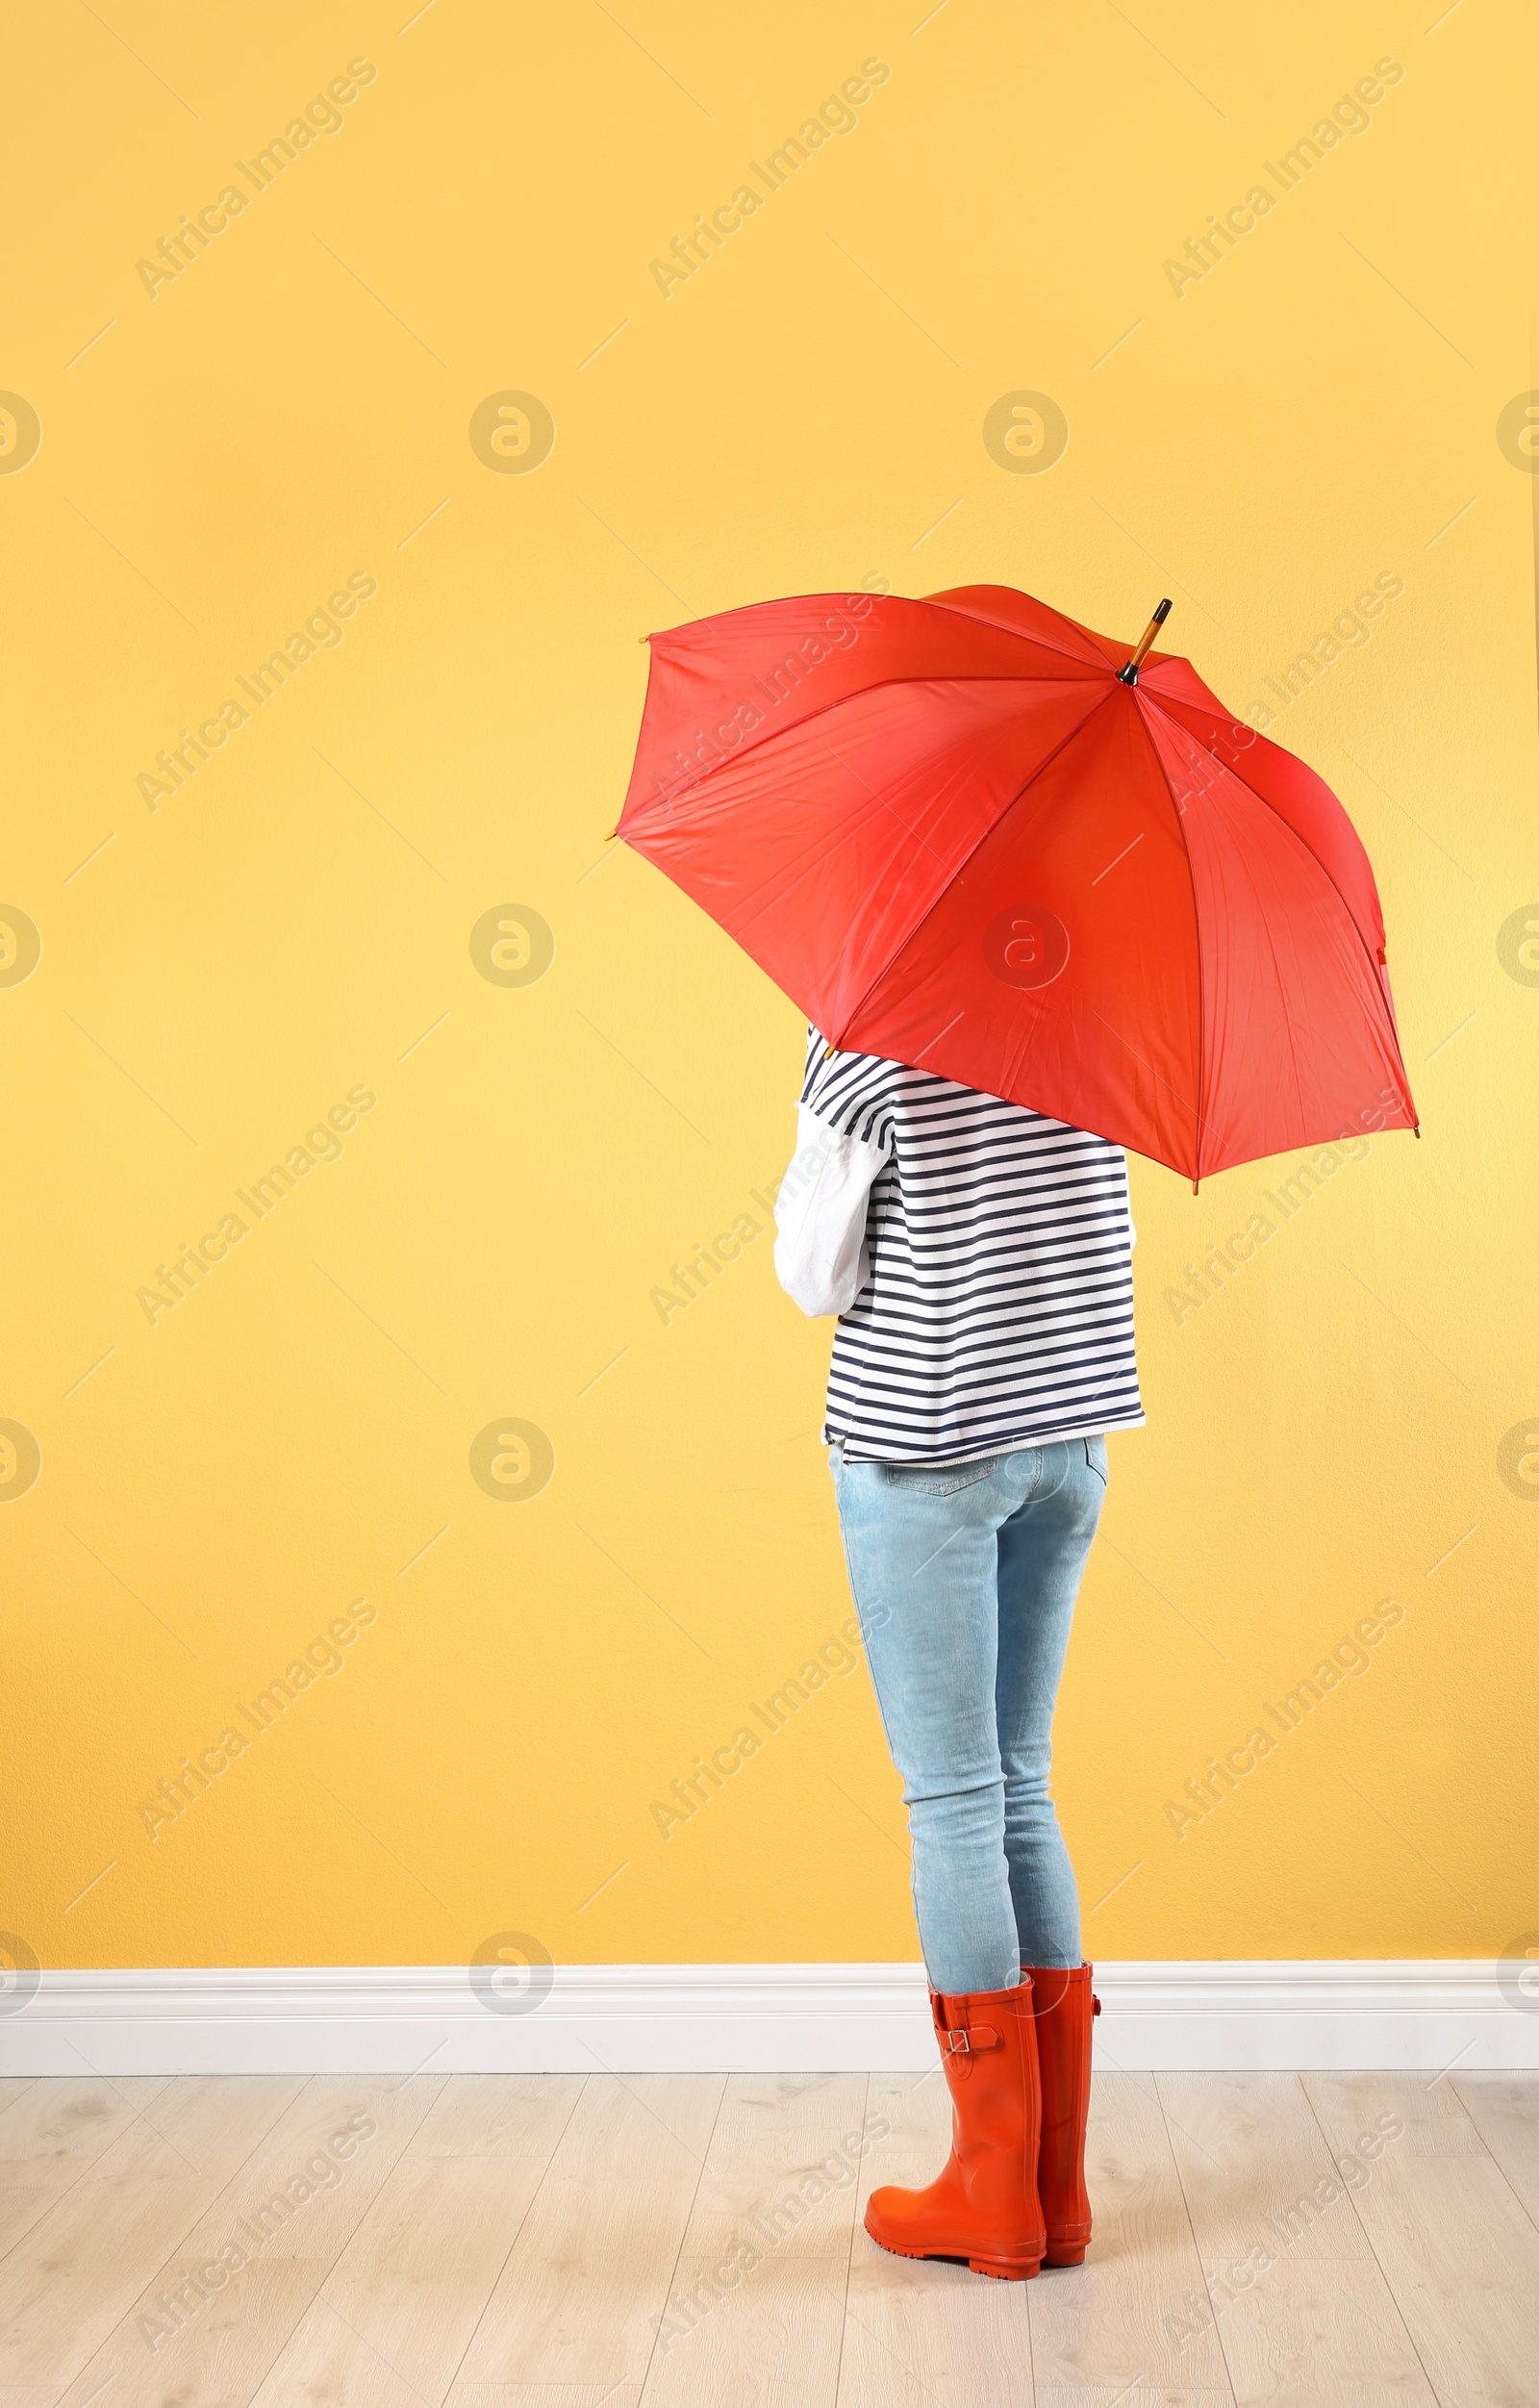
(820, 1255)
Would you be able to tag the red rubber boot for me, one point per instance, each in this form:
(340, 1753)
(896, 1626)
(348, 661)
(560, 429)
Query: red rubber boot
(983, 2205)
(1063, 2009)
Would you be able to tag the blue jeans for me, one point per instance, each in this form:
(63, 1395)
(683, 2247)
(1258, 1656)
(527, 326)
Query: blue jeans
(965, 1577)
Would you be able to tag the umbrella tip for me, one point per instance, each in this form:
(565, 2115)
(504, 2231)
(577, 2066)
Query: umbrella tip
(613, 833)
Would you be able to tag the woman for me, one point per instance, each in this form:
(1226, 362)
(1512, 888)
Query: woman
(978, 1258)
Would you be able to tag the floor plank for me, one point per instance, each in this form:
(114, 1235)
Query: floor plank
(757, 2300)
(624, 2394)
(1504, 2110)
(1303, 2311)
(498, 2114)
(1321, 2335)
(1125, 2318)
(1255, 2171)
(773, 2339)
(783, 2165)
(1460, 2255)
(582, 2295)
(216, 2362)
(278, 2245)
(52, 2133)
(1130, 2396)
(14, 2087)
(80, 2268)
(394, 2315)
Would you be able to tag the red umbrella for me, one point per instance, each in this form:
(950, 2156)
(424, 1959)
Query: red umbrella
(971, 835)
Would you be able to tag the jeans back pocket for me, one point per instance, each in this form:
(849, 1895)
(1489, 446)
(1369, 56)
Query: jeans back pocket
(940, 1480)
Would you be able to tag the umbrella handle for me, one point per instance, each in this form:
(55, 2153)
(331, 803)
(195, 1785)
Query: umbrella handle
(1129, 676)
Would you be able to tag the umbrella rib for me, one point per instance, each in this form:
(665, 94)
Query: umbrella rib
(1158, 1079)
(923, 601)
(837, 838)
(878, 685)
(1005, 628)
(1277, 972)
(1045, 763)
(1227, 771)
(1267, 805)
(1302, 841)
(792, 875)
(847, 836)
(1196, 930)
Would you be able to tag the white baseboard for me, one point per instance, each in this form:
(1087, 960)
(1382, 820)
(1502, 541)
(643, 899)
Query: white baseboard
(644, 2018)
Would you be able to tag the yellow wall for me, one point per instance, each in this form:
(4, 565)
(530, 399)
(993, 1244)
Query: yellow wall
(222, 970)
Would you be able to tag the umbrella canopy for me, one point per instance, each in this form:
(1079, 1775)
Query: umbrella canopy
(958, 838)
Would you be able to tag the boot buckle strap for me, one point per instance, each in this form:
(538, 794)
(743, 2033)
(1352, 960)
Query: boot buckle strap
(965, 2037)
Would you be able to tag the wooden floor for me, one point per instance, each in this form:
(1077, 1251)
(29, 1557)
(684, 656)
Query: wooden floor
(530, 2242)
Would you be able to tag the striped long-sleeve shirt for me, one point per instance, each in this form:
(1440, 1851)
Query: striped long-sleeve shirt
(977, 1255)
